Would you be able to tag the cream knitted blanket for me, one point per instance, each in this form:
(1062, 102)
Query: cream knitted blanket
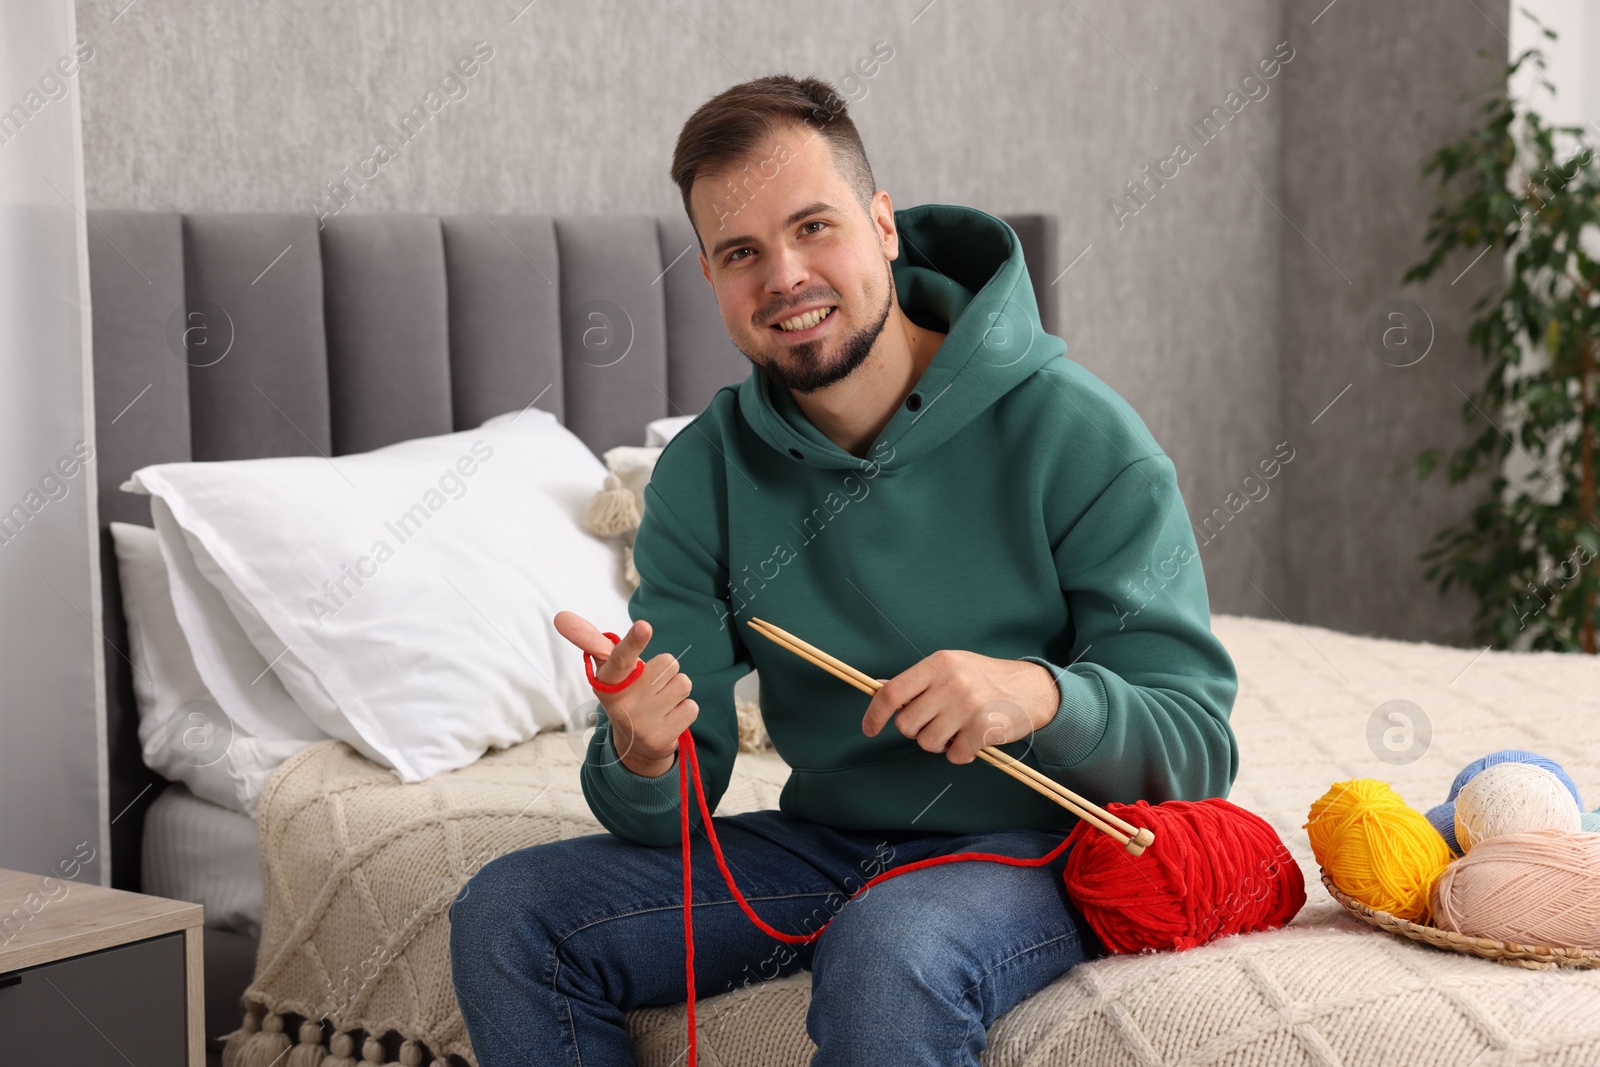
(359, 871)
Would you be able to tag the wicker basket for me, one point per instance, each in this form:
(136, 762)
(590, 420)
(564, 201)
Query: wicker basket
(1535, 957)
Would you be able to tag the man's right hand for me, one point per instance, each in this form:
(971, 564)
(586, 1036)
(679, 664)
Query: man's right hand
(647, 717)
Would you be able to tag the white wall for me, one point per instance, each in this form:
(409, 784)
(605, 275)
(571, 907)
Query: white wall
(1572, 98)
(1572, 60)
(52, 677)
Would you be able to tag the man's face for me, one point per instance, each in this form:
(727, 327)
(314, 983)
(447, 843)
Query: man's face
(794, 240)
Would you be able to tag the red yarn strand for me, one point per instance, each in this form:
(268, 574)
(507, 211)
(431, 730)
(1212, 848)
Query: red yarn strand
(688, 892)
(1205, 847)
(611, 687)
(689, 767)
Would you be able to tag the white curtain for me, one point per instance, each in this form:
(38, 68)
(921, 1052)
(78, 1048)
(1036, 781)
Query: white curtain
(52, 677)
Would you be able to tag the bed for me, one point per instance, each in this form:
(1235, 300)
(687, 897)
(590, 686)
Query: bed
(384, 328)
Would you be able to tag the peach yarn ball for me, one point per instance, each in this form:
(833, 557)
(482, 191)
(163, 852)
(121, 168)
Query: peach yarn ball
(1541, 887)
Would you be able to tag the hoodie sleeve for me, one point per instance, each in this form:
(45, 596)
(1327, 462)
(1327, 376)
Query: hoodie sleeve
(680, 595)
(1148, 689)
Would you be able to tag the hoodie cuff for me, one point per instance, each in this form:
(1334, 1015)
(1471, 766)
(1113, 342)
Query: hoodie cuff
(1080, 722)
(648, 796)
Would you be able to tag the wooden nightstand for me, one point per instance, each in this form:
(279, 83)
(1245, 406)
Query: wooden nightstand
(92, 976)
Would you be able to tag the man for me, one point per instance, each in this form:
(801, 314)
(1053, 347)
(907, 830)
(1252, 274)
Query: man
(914, 478)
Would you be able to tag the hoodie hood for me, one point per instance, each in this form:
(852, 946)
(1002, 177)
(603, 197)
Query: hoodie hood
(960, 270)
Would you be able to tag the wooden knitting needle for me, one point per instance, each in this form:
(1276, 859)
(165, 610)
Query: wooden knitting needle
(1132, 838)
(1135, 839)
(844, 672)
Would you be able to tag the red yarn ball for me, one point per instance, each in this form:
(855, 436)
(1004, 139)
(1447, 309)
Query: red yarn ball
(1214, 869)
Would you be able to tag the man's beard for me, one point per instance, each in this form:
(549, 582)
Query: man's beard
(800, 370)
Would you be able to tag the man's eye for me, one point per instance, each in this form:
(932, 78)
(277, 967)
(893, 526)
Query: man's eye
(733, 257)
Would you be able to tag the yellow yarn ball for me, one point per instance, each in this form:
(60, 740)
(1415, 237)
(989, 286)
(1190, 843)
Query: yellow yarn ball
(1377, 848)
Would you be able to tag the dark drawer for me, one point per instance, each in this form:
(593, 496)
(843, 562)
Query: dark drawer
(119, 1006)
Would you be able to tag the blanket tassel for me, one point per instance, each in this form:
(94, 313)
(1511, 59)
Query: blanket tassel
(309, 1052)
(261, 1042)
(263, 1048)
(341, 1051)
(614, 510)
(235, 1043)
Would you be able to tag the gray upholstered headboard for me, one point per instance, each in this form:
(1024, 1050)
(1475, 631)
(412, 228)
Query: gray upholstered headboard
(234, 336)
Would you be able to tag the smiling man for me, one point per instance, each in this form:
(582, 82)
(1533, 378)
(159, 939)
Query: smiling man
(1022, 574)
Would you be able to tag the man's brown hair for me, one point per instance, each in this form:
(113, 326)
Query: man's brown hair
(738, 121)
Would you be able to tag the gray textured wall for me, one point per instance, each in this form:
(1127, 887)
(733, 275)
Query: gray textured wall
(1382, 88)
(1198, 307)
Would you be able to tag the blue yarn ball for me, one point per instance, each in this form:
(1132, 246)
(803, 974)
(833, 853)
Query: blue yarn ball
(1511, 755)
(1443, 818)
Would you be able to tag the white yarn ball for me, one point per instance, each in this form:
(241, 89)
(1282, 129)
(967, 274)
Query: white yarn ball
(1512, 798)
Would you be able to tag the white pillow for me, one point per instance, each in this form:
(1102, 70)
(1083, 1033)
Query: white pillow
(404, 596)
(658, 432)
(223, 753)
(633, 466)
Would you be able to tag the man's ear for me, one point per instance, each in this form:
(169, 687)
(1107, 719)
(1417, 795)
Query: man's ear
(883, 219)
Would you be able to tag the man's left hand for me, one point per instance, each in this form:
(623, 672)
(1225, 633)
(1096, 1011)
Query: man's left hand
(957, 702)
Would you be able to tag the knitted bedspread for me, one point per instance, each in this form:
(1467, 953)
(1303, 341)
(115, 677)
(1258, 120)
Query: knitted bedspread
(360, 869)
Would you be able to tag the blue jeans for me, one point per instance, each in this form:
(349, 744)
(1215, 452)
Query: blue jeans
(550, 945)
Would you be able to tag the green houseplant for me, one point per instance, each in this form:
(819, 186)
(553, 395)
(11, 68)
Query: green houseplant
(1529, 546)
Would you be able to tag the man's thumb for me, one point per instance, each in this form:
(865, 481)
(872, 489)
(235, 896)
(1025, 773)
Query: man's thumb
(619, 663)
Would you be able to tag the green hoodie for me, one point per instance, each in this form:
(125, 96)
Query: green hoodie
(1014, 506)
